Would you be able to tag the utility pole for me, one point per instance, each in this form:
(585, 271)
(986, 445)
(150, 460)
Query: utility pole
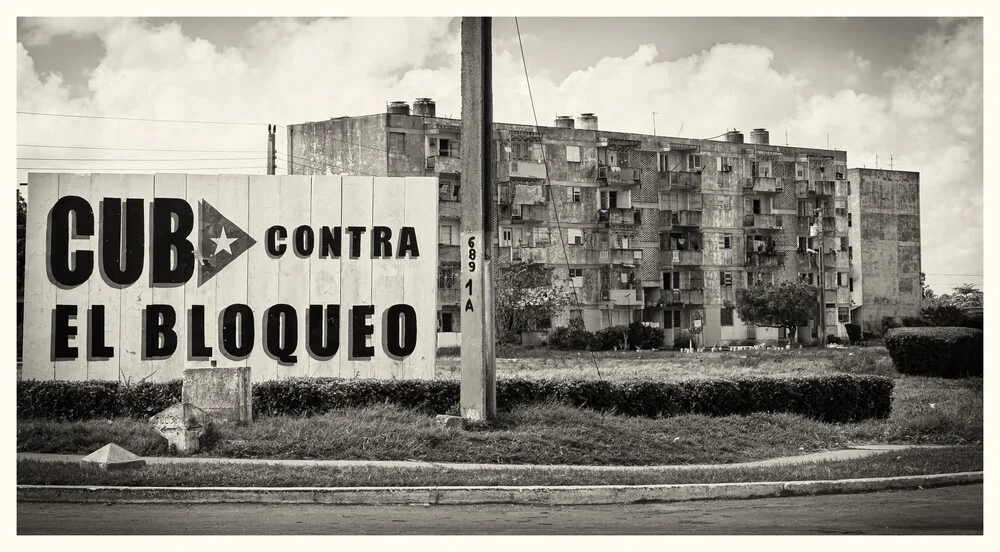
(271, 153)
(478, 387)
(822, 275)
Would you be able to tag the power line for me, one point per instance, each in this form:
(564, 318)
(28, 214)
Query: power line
(134, 169)
(943, 274)
(311, 165)
(137, 159)
(555, 211)
(135, 149)
(143, 119)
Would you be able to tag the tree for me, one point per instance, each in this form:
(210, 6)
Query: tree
(22, 220)
(928, 293)
(784, 305)
(966, 296)
(524, 293)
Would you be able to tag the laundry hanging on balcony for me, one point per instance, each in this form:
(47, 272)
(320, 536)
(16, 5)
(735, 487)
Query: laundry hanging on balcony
(528, 194)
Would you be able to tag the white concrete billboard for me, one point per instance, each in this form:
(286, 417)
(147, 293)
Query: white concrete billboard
(138, 277)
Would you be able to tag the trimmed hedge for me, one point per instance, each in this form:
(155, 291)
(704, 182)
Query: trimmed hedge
(940, 352)
(83, 400)
(834, 398)
(853, 332)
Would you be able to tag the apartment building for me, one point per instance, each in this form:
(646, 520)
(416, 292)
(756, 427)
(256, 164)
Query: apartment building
(656, 229)
(884, 228)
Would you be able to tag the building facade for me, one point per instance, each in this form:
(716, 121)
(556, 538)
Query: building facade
(884, 229)
(645, 228)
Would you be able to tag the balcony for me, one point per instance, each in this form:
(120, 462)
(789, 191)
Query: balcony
(448, 296)
(449, 209)
(619, 256)
(681, 257)
(531, 170)
(679, 297)
(762, 222)
(447, 252)
(684, 180)
(622, 296)
(809, 188)
(530, 254)
(617, 218)
(680, 218)
(529, 214)
(765, 260)
(763, 184)
(444, 165)
(617, 175)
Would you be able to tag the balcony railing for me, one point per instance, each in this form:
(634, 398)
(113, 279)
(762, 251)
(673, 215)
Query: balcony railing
(615, 255)
(684, 180)
(672, 297)
(762, 222)
(622, 296)
(534, 170)
(765, 260)
(530, 214)
(443, 164)
(681, 257)
(617, 175)
(617, 217)
(807, 188)
(449, 209)
(764, 184)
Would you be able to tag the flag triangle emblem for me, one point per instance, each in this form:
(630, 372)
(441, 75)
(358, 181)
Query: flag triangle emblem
(221, 242)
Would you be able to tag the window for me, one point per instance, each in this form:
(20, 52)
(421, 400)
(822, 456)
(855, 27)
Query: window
(543, 323)
(672, 318)
(444, 236)
(749, 279)
(753, 168)
(573, 154)
(575, 236)
(446, 278)
(663, 162)
(841, 278)
(396, 142)
(446, 322)
(850, 253)
(803, 243)
(726, 316)
(806, 277)
(726, 241)
(576, 276)
(843, 243)
(637, 254)
(850, 283)
(848, 187)
(505, 237)
(843, 314)
(800, 171)
(671, 280)
(694, 162)
(850, 220)
(725, 278)
(445, 148)
(722, 203)
(575, 194)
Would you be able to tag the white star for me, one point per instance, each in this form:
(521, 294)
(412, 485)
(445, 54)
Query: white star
(223, 242)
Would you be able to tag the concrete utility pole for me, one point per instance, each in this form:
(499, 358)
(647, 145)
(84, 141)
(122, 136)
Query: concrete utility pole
(272, 163)
(822, 275)
(478, 388)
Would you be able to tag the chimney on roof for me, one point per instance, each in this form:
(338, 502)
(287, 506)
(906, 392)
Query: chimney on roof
(424, 107)
(564, 121)
(586, 121)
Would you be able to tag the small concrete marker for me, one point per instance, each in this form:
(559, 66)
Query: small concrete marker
(113, 457)
(448, 422)
(183, 425)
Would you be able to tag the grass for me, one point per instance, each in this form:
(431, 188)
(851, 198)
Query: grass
(925, 411)
(908, 462)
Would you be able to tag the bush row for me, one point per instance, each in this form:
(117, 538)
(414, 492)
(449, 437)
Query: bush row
(835, 398)
(632, 336)
(941, 352)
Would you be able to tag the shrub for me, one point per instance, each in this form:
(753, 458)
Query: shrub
(570, 339)
(82, 400)
(609, 338)
(833, 340)
(834, 398)
(889, 322)
(853, 332)
(974, 321)
(682, 339)
(914, 322)
(941, 352)
(943, 315)
(644, 337)
(864, 361)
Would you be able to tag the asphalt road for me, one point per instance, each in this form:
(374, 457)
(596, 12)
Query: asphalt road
(947, 510)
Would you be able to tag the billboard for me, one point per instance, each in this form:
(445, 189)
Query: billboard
(138, 277)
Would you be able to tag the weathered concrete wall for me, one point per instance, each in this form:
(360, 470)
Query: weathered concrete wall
(887, 205)
(343, 146)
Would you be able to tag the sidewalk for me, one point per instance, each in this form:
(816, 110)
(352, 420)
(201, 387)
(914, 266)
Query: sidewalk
(833, 455)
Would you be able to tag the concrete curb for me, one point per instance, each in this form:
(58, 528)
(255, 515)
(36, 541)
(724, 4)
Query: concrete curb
(535, 495)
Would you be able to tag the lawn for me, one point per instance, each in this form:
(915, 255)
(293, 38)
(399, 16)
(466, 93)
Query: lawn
(892, 464)
(925, 410)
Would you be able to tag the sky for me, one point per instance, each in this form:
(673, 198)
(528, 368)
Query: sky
(909, 89)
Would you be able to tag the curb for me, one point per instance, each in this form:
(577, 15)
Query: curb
(536, 495)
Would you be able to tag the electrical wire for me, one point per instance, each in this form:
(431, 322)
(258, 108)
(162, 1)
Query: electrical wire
(548, 183)
(134, 169)
(135, 159)
(135, 149)
(143, 119)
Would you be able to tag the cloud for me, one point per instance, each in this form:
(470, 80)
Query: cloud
(930, 120)
(41, 30)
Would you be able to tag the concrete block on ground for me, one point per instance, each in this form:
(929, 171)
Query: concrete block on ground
(112, 457)
(449, 422)
(224, 393)
(183, 425)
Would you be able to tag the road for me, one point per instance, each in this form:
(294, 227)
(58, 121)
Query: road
(947, 510)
